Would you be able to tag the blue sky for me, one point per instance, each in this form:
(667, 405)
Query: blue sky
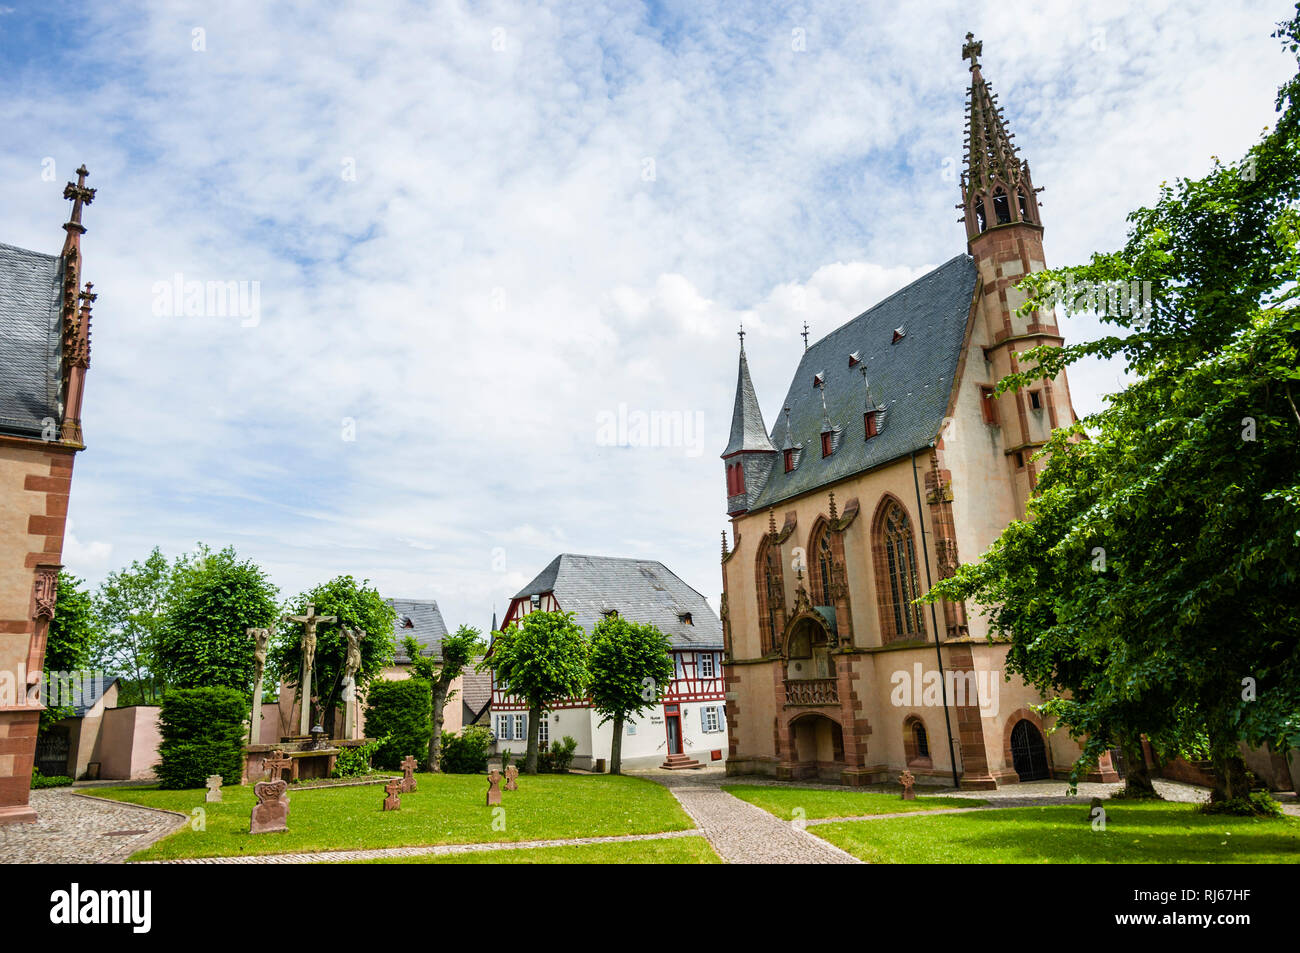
(477, 230)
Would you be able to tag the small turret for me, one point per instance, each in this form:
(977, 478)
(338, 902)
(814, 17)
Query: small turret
(749, 452)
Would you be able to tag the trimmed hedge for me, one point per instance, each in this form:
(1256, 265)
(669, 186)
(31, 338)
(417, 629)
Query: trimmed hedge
(401, 714)
(202, 734)
(466, 752)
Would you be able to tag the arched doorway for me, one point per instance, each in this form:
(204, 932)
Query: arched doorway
(1028, 753)
(818, 747)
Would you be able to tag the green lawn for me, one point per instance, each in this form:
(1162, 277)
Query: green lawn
(445, 809)
(817, 803)
(675, 850)
(1136, 833)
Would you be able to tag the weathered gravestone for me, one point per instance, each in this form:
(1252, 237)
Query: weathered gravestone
(393, 802)
(214, 789)
(512, 778)
(271, 812)
(907, 780)
(408, 771)
(494, 787)
(277, 764)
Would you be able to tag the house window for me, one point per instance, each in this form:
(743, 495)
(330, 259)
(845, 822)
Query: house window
(709, 718)
(988, 405)
(1035, 400)
(899, 577)
(631, 727)
(520, 732)
(869, 424)
(685, 619)
(826, 443)
(706, 665)
(543, 733)
(1020, 460)
(789, 460)
(503, 727)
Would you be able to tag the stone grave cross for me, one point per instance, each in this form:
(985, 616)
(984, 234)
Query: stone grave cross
(277, 763)
(408, 769)
(214, 789)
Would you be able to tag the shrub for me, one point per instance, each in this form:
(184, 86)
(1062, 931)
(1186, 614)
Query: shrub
(399, 714)
(466, 752)
(558, 759)
(1254, 804)
(202, 734)
(49, 781)
(353, 762)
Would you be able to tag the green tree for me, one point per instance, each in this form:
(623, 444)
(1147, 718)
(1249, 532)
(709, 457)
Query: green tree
(355, 606)
(541, 659)
(72, 633)
(1152, 588)
(630, 669)
(131, 604)
(215, 597)
(454, 656)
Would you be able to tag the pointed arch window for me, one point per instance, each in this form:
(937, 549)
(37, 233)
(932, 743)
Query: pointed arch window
(1025, 215)
(825, 568)
(897, 578)
(981, 219)
(1001, 207)
(770, 595)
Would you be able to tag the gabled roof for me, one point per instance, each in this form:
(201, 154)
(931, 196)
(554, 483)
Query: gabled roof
(476, 690)
(30, 339)
(640, 590)
(911, 378)
(426, 626)
(747, 430)
(96, 688)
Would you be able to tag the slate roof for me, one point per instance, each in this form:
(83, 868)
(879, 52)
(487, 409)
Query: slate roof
(426, 625)
(476, 690)
(96, 688)
(30, 339)
(911, 379)
(641, 590)
(747, 430)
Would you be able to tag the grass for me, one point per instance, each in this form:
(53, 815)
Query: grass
(818, 803)
(674, 850)
(1149, 832)
(444, 809)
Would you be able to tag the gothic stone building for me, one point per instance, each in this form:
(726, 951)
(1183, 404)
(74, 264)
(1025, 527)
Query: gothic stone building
(44, 353)
(889, 463)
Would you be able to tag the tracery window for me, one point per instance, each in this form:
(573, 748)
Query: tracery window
(825, 568)
(898, 576)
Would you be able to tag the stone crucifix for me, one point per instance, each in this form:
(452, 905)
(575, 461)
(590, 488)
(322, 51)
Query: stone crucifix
(351, 665)
(261, 638)
(309, 623)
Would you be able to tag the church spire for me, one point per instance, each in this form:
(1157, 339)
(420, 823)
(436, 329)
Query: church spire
(746, 453)
(996, 188)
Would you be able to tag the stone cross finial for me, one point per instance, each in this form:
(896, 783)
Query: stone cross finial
(972, 49)
(907, 780)
(214, 789)
(805, 335)
(512, 778)
(80, 196)
(277, 764)
(494, 787)
(393, 789)
(741, 332)
(408, 770)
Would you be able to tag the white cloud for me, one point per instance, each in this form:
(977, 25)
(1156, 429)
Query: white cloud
(503, 268)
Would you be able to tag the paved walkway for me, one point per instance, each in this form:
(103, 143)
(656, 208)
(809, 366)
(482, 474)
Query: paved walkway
(740, 832)
(71, 829)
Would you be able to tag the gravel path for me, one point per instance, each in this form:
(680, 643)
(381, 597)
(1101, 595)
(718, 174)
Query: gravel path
(742, 833)
(72, 829)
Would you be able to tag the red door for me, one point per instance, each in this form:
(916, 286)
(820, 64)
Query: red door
(673, 723)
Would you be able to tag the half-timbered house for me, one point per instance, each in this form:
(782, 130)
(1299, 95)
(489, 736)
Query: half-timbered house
(687, 727)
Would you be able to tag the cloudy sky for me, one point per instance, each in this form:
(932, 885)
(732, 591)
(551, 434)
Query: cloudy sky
(473, 235)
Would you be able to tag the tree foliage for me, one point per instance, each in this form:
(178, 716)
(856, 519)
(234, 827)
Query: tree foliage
(131, 604)
(541, 659)
(1151, 590)
(215, 597)
(453, 656)
(72, 633)
(631, 666)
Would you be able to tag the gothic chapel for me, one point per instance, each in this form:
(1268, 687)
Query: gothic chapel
(889, 462)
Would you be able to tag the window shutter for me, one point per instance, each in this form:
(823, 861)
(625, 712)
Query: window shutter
(523, 727)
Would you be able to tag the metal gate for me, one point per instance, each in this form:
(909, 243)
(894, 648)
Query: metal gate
(1028, 753)
(52, 750)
